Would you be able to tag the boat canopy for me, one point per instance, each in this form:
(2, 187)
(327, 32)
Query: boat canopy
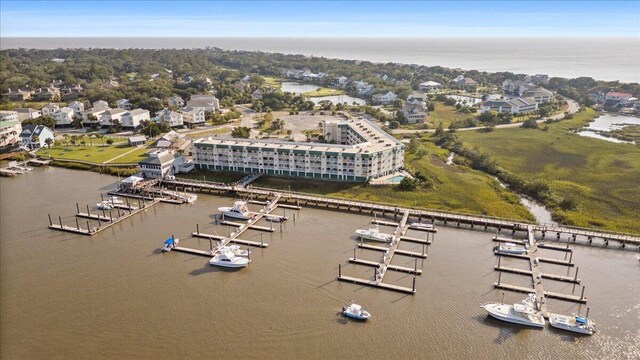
(169, 241)
(581, 320)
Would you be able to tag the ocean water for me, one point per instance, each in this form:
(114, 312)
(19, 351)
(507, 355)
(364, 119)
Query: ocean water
(599, 58)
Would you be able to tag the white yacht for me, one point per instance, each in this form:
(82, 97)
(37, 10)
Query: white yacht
(577, 324)
(104, 205)
(421, 226)
(373, 233)
(510, 248)
(524, 313)
(239, 210)
(228, 259)
(355, 311)
(234, 249)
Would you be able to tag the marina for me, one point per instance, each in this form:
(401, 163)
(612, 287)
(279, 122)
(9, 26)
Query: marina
(297, 272)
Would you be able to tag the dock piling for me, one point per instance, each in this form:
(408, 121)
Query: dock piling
(50, 223)
(77, 208)
(499, 277)
(576, 278)
(339, 270)
(88, 212)
(413, 287)
(582, 294)
(77, 224)
(198, 228)
(354, 253)
(60, 220)
(88, 228)
(415, 266)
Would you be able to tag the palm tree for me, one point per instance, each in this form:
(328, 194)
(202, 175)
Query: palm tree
(4, 138)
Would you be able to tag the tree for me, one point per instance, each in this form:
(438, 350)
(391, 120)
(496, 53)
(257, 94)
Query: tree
(408, 184)
(109, 141)
(77, 122)
(439, 130)
(241, 132)
(530, 124)
(394, 124)
(48, 141)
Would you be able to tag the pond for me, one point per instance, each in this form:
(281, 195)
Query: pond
(606, 123)
(298, 88)
(462, 99)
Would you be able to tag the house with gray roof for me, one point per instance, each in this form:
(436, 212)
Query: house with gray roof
(204, 102)
(35, 136)
(158, 165)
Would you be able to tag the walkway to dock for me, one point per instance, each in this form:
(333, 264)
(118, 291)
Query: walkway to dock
(536, 273)
(388, 253)
(385, 209)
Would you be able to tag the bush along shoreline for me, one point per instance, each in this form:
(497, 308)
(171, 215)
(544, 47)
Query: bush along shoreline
(102, 169)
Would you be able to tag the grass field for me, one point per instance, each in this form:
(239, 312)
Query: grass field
(217, 176)
(601, 177)
(273, 81)
(94, 153)
(455, 188)
(446, 114)
(323, 91)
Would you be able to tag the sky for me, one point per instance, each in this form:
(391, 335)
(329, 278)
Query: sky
(319, 19)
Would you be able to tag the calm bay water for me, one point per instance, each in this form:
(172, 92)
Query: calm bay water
(115, 295)
(600, 58)
(299, 88)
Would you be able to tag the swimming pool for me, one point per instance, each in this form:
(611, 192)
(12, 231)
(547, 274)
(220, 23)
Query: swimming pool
(396, 179)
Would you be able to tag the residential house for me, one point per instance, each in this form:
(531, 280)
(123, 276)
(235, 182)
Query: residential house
(133, 118)
(192, 117)
(8, 115)
(137, 140)
(92, 116)
(430, 86)
(241, 85)
(173, 118)
(417, 99)
(363, 88)
(246, 78)
(617, 96)
(35, 136)
(9, 132)
(341, 82)
(19, 95)
(384, 98)
(204, 102)
(124, 104)
(158, 165)
(540, 79)
(64, 116)
(49, 109)
(516, 87)
(108, 117)
(77, 107)
(111, 84)
(27, 113)
(46, 94)
(464, 82)
(293, 73)
(539, 94)
(414, 113)
(71, 93)
(510, 106)
(175, 101)
(172, 140)
(257, 94)
(100, 103)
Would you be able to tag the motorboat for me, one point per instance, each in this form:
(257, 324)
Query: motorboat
(104, 205)
(421, 226)
(239, 210)
(234, 249)
(576, 324)
(228, 259)
(355, 311)
(373, 233)
(169, 244)
(523, 313)
(510, 248)
(276, 219)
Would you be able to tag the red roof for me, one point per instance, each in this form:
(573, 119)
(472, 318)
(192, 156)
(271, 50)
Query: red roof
(618, 94)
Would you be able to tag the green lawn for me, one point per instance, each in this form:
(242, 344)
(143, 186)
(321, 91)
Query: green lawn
(446, 114)
(323, 91)
(132, 157)
(272, 81)
(454, 188)
(601, 177)
(208, 133)
(217, 176)
(89, 153)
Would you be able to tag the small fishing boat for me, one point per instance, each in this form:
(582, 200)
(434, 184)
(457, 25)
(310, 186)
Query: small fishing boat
(169, 244)
(276, 219)
(510, 248)
(239, 210)
(355, 311)
(228, 259)
(421, 226)
(373, 233)
(577, 324)
(104, 205)
(523, 313)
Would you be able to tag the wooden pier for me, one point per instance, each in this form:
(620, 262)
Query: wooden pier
(537, 275)
(104, 222)
(447, 218)
(388, 253)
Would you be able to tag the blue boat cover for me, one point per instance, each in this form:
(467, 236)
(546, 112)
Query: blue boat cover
(169, 241)
(581, 320)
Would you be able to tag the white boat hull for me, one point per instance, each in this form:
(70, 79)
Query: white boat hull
(501, 312)
(364, 234)
(234, 215)
(229, 264)
(563, 325)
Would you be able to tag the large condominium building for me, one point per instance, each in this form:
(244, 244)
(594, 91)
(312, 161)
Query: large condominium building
(357, 150)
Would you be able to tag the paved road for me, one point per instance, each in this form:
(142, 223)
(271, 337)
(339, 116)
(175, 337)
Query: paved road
(573, 108)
